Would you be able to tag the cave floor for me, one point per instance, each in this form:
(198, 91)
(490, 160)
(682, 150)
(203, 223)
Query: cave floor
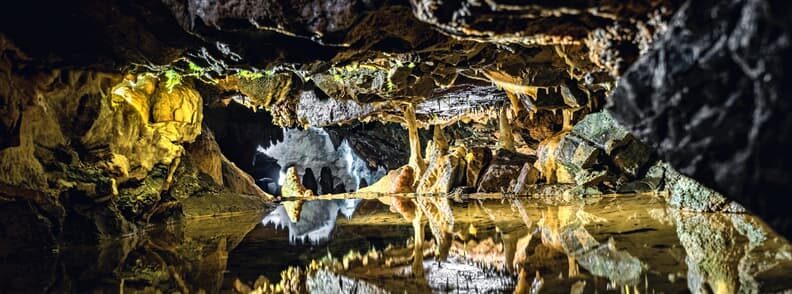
(482, 243)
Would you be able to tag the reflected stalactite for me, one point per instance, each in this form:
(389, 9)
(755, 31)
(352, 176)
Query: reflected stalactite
(418, 239)
(310, 221)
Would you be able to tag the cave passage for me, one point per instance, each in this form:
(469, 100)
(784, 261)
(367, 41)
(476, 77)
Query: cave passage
(391, 146)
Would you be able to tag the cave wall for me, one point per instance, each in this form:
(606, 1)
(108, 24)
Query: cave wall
(712, 98)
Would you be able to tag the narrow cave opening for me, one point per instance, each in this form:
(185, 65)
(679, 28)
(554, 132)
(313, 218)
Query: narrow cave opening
(421, 146)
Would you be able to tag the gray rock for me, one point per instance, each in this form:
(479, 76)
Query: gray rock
(601, 130)
(712, 98)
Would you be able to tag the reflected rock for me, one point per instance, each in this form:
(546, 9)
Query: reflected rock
(563, 230)
(606, 261)
(728, 252)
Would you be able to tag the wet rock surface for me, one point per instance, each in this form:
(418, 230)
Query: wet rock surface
(710, 98)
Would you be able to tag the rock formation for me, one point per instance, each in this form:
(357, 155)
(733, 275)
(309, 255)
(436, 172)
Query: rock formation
(118, 114)
(710, 98)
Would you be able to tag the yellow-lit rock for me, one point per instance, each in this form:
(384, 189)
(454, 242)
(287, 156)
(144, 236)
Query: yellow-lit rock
(292, 186)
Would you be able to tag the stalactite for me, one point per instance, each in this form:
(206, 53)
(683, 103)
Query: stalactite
(440, 141)
(505, 138)
(515, 102)
(416, 160)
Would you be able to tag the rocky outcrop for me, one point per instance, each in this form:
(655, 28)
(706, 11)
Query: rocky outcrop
(595, 152)
(711, 98)
(108, 150)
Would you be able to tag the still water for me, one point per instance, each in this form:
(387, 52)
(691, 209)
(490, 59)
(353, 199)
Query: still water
(479, 244)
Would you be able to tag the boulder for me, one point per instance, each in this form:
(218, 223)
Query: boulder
(711, 97)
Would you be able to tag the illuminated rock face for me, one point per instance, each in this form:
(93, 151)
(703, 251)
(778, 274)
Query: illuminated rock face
(101, 154)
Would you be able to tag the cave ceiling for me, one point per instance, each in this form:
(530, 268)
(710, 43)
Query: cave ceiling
(451, 60)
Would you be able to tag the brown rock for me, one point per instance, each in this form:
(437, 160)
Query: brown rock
(403, 182)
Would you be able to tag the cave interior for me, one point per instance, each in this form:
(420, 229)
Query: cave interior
(305, 146)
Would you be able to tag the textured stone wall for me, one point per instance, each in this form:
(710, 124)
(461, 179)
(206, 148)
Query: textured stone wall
(712, 97)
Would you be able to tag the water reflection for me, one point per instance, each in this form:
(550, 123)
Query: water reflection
(181, 257)
(310, 221)
(628, 243)
(727, 253)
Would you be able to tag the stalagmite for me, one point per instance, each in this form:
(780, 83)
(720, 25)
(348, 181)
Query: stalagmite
(505, 138)
(292, 186)
(546, 157)
(416, 160)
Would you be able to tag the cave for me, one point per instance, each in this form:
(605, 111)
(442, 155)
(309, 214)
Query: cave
(390, 146)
